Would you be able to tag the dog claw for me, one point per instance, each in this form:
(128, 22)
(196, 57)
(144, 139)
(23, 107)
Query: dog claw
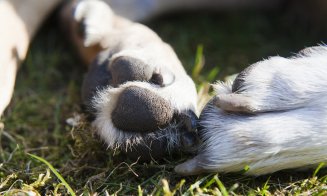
(190, 167)
(233, 103)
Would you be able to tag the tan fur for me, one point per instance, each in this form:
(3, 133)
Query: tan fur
(19, 21)
(87, 54)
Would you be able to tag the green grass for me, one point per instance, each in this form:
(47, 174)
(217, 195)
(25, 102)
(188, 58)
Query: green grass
(47, 93)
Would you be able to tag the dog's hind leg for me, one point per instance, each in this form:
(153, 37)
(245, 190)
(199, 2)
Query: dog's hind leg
(19, 21)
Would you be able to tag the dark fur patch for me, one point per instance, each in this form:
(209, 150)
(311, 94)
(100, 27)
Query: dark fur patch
(239, 80)
(97, 78)
(148, 150)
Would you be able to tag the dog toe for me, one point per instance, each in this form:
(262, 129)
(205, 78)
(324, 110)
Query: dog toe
(95, 16)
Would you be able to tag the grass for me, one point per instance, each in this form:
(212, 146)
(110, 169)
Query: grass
(47, 93)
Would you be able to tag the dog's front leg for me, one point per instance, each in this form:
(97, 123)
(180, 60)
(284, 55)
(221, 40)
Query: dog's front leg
(19, 21)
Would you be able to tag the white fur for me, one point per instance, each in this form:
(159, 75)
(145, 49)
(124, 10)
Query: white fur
(291, 133)
(281, 83)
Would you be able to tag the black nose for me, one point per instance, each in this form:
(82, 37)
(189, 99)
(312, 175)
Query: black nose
(141, 110)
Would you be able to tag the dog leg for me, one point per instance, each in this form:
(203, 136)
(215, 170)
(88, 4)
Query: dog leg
(19, 21)
(140, 96)
(290, 134)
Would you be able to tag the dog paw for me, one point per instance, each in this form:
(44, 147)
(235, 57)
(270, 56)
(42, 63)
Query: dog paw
(137, 113)
(141, 98)
(288, 134)
(259, 144)
(276, 84)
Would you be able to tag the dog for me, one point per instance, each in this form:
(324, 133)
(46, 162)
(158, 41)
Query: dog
(144, 103)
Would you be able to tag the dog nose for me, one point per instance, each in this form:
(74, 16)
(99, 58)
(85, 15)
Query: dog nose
(141, 110)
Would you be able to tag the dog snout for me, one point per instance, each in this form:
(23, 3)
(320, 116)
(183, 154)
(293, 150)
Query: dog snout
(141, 110)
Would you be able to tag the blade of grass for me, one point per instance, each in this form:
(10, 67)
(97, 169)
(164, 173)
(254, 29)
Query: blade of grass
(199, 62)
(221, 186)
(63, 181)
(318, 169)
(212, 76)
(209, 183)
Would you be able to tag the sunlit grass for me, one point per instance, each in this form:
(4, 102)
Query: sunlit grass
(54, 171)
